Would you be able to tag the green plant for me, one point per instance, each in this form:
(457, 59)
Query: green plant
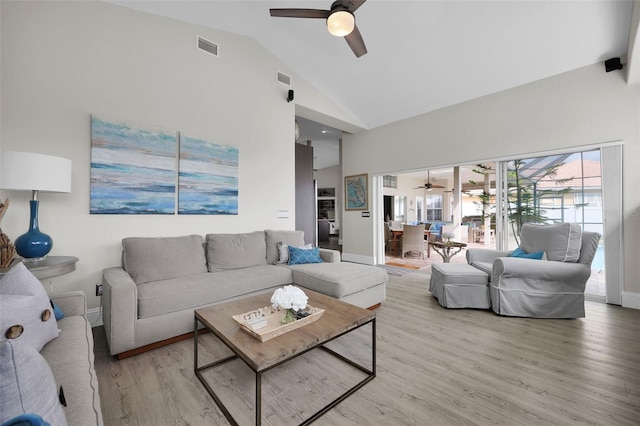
(484, 196)
(524, 192)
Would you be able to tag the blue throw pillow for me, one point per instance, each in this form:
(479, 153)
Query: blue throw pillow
(57, 311)
(521, 253)
(26, 420)
(298, 256)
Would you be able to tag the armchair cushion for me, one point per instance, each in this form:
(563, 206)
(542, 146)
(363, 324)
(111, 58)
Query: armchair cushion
(560, 241)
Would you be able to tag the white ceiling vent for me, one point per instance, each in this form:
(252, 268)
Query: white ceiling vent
(207, 46)
(283, 78)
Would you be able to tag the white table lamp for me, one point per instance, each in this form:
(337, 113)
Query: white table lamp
(26, 171)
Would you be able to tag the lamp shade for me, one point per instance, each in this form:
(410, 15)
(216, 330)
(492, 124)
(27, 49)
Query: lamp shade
(35, 172)
(341, 23)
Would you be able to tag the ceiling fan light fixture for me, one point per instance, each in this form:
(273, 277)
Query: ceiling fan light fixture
(341, 23)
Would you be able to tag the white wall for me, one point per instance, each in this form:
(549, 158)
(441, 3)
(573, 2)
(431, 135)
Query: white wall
(63, 61)
(582, 107)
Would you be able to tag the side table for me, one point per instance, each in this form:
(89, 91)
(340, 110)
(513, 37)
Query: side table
(445, 249)
(49, 267)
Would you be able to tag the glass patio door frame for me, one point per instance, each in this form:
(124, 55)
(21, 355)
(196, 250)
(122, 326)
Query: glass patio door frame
(611, 172)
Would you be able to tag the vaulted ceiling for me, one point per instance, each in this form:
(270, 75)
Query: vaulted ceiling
(422, 55)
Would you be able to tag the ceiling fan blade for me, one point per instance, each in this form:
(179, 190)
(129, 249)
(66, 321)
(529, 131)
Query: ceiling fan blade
(353, 5)
(355, 42)
(434, 185)
(300, 13)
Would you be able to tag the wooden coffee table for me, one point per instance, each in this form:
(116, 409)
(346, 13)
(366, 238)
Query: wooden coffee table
(338, 319)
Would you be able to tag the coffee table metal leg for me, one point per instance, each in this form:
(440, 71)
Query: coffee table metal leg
(258, 398)
(371, 374)
(198, 372)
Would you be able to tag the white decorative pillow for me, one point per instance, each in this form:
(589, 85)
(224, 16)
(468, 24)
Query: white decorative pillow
(27, 385)
(26, 315)
(283, 252)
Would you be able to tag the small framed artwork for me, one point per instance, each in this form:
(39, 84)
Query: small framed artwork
(356, 192)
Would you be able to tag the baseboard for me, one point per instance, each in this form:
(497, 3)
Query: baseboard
(94, 315)
(357, 258)
(630, 300)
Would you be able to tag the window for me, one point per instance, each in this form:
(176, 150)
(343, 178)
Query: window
(434, 207)
(399, 208)
(389, 181)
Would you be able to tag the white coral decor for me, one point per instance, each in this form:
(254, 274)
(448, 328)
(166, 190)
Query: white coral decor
(289, 297)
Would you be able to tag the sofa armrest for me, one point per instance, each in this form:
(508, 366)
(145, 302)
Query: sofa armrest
(484, 255)
(72, 303)
(330, 256)
(119, 309)
(539, 275)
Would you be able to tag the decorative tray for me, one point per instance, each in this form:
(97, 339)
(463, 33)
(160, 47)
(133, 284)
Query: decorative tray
(273, 318)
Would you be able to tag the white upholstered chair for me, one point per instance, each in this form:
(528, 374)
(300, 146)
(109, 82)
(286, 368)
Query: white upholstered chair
(552, 288)
(413, 239)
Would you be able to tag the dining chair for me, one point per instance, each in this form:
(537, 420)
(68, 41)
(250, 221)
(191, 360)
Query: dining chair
(413, 239)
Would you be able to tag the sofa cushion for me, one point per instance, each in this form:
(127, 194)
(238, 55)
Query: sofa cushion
(26, 315)
(338, 279)
(561, 241)
(173, 295)
(233, 251)
(71, 359)
(153, 259)
(27, 385)
(273, 237)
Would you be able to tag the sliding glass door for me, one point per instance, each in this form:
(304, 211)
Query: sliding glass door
(554, 189)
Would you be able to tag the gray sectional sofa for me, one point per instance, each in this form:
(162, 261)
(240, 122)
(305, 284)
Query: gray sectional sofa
(149, 300)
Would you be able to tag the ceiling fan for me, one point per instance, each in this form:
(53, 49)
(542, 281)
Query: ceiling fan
(340, 18)
(428, 186)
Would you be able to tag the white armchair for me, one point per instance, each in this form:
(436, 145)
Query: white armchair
(537, 288)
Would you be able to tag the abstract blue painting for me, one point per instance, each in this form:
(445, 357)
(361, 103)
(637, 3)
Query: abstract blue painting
(133, 169)
(208, 177)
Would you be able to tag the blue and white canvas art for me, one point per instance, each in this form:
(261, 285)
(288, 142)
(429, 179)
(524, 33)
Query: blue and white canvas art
(208, 177)
(133, 169)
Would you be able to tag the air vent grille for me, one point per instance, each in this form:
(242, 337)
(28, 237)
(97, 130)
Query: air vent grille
(208, 46)
(284, 79)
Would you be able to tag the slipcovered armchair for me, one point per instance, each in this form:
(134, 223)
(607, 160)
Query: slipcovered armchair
(551, 288)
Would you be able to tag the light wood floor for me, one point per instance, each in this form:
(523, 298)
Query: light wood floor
(434, 367)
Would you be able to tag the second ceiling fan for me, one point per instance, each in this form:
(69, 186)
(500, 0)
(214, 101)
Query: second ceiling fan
(428, 186)
(340, 18)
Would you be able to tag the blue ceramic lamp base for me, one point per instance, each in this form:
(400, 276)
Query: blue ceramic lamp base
(34, 245)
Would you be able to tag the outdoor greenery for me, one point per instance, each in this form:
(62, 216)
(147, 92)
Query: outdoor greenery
(524, 192)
